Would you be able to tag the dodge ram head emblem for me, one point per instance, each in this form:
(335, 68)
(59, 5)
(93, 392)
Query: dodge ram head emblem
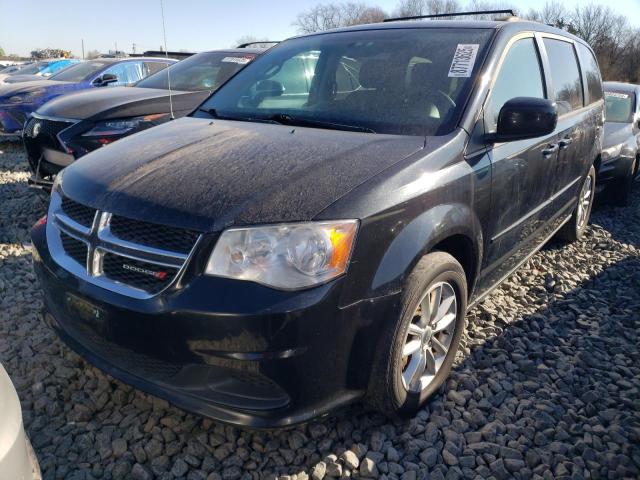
(36, 129)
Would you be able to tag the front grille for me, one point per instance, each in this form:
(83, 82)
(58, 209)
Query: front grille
(154, 235)
(79, 213)
(146, 276)
(75, 248)
(138, 259)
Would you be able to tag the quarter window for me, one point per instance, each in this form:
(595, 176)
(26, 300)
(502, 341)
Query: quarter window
(565, 75)
(520, 76)
(592, 72)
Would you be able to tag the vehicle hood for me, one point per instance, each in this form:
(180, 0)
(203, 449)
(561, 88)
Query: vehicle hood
(46, 86)
(616, 133)
(206, 175)
(119, 102)
(17, 78)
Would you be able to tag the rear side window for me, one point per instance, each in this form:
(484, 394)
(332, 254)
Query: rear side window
(520, 76)
(154, 67)
(592, 72)
(565, 75)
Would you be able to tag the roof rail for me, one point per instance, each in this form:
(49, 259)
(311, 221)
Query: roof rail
(245, 45)
(452, 14)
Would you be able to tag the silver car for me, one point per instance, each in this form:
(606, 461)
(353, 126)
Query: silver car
(17, 459)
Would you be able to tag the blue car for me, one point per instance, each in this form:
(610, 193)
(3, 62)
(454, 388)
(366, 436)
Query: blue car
(38, 70)
(18, 101)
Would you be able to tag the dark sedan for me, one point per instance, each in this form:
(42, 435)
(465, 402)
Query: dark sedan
(69, 127)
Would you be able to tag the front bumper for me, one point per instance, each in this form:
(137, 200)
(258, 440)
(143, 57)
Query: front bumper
(233, 351)
(13, 117)
(17, 459)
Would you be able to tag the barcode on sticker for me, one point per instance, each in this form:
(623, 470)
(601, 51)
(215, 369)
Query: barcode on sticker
(463, 60)
(240, 60)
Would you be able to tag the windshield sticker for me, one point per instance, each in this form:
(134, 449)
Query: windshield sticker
(616, 95)
(463, 60)
(240, 60)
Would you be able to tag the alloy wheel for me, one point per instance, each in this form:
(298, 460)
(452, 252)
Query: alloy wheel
(584, 201)
(429, 337)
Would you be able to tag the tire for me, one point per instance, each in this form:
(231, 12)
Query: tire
(388, 392)
(621, 190)
(574, 229)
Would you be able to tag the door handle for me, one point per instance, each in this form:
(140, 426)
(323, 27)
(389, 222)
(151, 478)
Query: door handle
(550, 150)
(565, 142)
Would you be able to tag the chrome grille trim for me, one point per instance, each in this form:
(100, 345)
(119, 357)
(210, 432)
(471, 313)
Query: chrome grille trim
(66, 222)
(101, 241)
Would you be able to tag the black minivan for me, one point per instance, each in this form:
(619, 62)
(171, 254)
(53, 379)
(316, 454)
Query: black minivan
(315, 233)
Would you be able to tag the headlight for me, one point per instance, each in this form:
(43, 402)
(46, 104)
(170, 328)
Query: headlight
(57, 181)
(25, 97)
(611, 152)
(124, 125)
(288, 256)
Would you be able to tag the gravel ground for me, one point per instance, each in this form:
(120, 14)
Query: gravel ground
(547, 386)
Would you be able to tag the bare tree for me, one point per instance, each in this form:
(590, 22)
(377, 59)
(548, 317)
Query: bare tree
(91, 54)
(334, 15)
(412, 8)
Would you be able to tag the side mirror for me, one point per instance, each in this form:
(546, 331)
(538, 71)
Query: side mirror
(105, 79)
(269, 88)
(525, 117)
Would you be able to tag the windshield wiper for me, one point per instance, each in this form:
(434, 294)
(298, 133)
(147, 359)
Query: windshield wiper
(287, 119)
(213, 113)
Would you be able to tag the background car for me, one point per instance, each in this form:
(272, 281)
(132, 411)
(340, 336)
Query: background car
(37, 71)
(18, 101)
(17, 459)
(69, 127)
(11, 69)
(621, 148)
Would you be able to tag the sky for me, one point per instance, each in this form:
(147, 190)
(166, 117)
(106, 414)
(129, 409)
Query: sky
(192, 25)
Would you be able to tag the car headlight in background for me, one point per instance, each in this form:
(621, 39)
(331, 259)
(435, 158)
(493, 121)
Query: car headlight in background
(25, 97)
(287, 256)
(611, 152)
(121, 126)
(57, 181)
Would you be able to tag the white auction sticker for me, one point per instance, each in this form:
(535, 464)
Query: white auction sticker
(616, 95)
(463, 60)
(240, 60)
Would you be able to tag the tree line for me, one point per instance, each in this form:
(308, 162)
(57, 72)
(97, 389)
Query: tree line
(614, 40)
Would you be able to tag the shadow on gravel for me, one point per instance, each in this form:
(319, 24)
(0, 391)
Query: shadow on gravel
(558, 387)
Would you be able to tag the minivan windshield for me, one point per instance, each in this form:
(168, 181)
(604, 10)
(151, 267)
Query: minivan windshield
(79, 72)
(408, 81)
(618, 107)
(204, 71)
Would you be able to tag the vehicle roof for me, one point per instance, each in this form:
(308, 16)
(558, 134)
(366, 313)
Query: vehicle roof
(253, 50)
(129, 59)
(513, 25)
(621, 86)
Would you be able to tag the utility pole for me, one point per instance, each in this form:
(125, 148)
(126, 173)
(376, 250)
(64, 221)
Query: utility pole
(82, 48)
